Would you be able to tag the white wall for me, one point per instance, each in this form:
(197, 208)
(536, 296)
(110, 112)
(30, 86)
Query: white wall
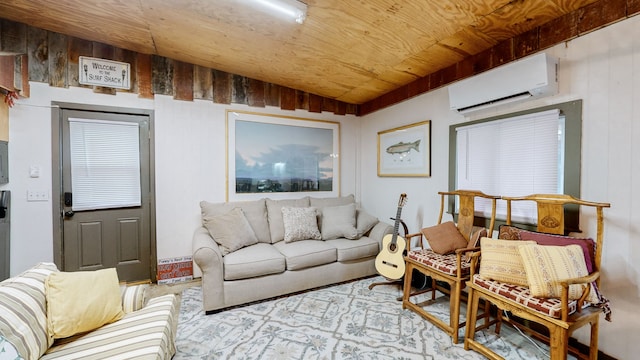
(603, 69)
(190, 165)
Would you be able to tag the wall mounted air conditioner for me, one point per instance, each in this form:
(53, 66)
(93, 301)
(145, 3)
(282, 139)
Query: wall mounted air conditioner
(533, 76)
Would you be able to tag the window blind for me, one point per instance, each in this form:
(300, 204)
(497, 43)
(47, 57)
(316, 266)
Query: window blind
(105, 164)
(515, 156)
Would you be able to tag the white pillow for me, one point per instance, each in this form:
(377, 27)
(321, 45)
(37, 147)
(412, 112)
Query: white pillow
(300, 223)
(364, 222)
(231, 231)
(339, 222)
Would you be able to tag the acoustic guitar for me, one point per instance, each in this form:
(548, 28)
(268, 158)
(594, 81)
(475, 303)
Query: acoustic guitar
(390, 260)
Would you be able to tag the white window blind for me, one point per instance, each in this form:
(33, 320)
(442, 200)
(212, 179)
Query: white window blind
(105, 164)
(512, 157)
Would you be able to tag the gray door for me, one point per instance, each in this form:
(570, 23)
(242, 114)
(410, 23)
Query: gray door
(105, 200)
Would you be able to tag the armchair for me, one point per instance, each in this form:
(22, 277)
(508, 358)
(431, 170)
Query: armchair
(559, 298)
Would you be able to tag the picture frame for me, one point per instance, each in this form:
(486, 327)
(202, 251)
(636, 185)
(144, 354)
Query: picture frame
(405, 151)
(281, 157)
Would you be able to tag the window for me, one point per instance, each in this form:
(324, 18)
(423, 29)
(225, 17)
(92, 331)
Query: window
(537, 151)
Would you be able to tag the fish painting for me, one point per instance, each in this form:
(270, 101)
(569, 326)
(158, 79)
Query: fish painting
(403, 147)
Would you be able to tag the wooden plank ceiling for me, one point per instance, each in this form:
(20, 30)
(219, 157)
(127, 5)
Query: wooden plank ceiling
(349, 50)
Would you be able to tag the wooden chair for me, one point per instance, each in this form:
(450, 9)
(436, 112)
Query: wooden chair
(451, 269)
(560, 316)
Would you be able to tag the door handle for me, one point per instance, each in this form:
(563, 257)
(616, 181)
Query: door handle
(69, 213)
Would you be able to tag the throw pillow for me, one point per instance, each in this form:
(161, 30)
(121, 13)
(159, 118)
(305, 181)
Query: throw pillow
(300, 224)
(444, 238)
(254, 210)
(274, 214)
(321, 203)
(587, 245)
(82, 301)
(231, 231)
(547, 265)
(474, 241)
(508, 232)
(339, 222)
(364, 222)
(502, 262)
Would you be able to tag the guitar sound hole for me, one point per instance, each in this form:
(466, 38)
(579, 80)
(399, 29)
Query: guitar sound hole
(392, 247)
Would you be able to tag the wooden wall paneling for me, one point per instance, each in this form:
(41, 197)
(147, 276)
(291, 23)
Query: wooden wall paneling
(221, 87)
(302, 100)
(352, 109)
(202, 83)
(449, 74)
(287, 98)
(21, 75)
(271, 94)
(144, 76)
(633, 7)
(599, 14)
(77, 47)
(103, 51)
(58, 59)
(503, 53)
(183, 81)
(14, 39)
(239, 89)
(341, 108)
(558, 30)
(315, 103)
(526, 43)
(329, 105)
(418, 86)
(7, 70)
(38, 53)
(161, 75)
(129, 57)
(255, 93)
(482, 61)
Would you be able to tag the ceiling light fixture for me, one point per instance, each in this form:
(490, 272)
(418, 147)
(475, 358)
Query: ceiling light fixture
(291, 8)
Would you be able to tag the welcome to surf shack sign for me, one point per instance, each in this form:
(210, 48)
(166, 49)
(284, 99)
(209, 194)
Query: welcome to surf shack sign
(106, 73)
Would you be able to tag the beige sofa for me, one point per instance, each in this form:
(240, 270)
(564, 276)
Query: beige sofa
(144, 330)
(299, 244)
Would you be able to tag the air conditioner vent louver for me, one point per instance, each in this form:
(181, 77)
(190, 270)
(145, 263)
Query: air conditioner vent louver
(534, 76)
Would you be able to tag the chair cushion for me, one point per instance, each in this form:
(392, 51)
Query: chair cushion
(255, 260)
(501, 260)
(306, 253)
(587, 244)
(354, 250)
(443, 263)
(521, 295)
(444, 238)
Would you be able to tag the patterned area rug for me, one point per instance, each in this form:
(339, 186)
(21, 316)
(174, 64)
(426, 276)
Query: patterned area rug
(345, 321)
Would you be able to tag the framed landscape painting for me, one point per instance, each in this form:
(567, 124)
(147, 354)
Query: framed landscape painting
(405, 150)
(281, 157)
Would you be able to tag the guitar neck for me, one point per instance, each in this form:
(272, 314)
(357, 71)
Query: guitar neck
(396, 226)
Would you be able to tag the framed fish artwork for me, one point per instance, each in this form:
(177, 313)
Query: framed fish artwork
(405, 150)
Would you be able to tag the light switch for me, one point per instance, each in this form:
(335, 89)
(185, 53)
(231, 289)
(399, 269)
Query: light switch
(34, 171)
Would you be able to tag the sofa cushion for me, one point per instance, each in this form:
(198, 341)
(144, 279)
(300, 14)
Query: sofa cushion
(274, 214)
(23, 307)
(255, 211)
(231, 231)
(354, 250)
(364, 222)
(501, 261)
(321, 203)
(255, 260)
(148, 333)
(339, 222)
(300, 223)
(306, 253)
(444, 238)
(81, 301)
